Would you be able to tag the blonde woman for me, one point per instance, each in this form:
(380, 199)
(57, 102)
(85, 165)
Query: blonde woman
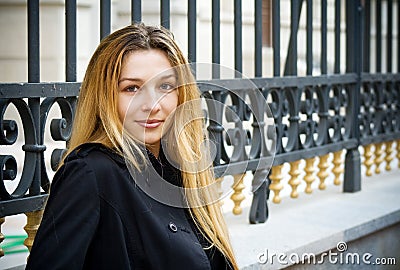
(98, 216)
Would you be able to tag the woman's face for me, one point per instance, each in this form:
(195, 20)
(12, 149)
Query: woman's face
(147, 95)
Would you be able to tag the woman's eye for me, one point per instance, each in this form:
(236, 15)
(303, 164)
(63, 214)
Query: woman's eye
(133, 88)
(167, 86)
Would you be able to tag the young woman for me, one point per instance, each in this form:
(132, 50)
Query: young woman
(99, 215)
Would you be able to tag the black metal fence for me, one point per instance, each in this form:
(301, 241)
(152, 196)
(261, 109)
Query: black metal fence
(315, 115)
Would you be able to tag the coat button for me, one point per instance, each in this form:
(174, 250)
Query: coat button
(172, 227)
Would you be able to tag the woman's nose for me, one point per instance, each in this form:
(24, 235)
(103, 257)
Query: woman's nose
(151, 101)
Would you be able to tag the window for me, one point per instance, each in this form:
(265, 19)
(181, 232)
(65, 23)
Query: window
(267, 23)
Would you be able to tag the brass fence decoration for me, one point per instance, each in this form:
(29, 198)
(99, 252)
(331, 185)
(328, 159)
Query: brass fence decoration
(337, 169)
(398, 153)
(388, 157)
(378, 157)
(237, 197)
(294, 180)
(2, 220)
(323, 171)
(309, 178)
(276, 186)
(368, 162)
(31, 227)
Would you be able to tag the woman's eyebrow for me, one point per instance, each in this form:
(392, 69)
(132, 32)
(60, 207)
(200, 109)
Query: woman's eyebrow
(164, 77)
(167, 76)
(129, 79)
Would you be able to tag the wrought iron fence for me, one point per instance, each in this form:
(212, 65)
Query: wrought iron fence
(320, 116)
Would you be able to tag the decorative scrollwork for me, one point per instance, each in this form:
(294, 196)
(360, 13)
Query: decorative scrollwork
(307, 126)
(277, 110)
(311, 116)
(8, 172)
(240, 123)
(336, 110)
(60, 130)
(323, 115)
(349, 107)
(241, 127)
(10, 131)
(292, 96)
(56, 157)
(366, 118)
(33, 116)
(31, 147)
(9, 167)
(214, 127)
(237, 137)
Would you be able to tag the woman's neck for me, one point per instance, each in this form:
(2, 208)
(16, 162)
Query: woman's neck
(154, 149)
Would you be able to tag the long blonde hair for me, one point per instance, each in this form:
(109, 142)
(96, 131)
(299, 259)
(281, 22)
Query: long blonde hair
(97, 119)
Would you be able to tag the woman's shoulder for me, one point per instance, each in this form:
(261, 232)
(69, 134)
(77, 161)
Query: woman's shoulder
(93, 164)
(96, 155)
(105, 171)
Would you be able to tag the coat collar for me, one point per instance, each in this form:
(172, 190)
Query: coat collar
(161, 164)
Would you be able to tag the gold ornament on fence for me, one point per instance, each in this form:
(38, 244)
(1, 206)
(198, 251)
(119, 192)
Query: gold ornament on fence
(294, 180)
(388, 157)
(309, 178)
(323, 171)
(378, 157)
(398, 153)
(276, 185)
(2, 220)
(368, 162)
(31, 227)
(237, 197)
(337, 169)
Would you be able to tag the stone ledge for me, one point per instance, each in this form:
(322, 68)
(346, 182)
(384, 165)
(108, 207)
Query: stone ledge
(316, 223)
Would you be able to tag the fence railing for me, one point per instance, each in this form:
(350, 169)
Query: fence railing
(325, 117)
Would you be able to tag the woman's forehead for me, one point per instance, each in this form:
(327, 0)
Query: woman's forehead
(145, 64)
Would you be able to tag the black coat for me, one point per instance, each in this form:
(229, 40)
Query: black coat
(97, 218)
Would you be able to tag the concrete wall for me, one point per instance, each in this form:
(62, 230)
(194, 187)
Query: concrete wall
(14, 45)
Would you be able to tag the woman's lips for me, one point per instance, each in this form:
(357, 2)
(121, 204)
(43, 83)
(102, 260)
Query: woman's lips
(150, 123)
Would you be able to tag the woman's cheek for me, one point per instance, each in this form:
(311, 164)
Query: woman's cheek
(122, 108)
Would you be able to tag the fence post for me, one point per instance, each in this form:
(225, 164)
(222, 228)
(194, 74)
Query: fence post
(34, 102)
(105, 18)
(354, 53)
